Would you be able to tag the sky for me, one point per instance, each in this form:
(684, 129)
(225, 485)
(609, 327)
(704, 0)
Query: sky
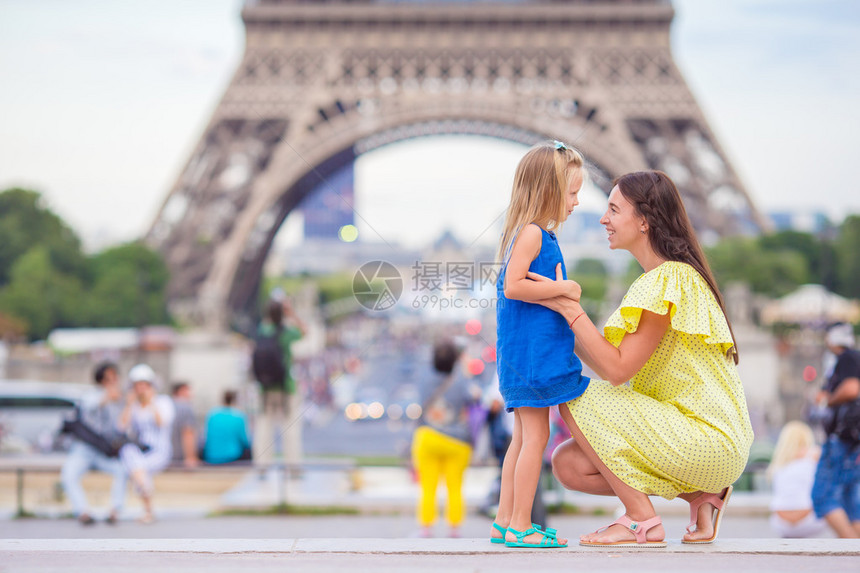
(103, 101)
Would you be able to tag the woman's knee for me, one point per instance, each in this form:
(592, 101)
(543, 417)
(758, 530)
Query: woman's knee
(565, 464)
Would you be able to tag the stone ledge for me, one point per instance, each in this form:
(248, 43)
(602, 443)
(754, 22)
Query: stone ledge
(830, 547)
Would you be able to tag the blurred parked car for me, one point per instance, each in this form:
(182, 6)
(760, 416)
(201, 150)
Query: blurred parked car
(31, 413)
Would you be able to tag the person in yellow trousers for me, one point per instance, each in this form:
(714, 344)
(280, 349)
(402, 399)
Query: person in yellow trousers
(441, 445)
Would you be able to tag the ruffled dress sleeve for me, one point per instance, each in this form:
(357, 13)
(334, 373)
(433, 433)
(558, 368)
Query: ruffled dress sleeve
(693, 309)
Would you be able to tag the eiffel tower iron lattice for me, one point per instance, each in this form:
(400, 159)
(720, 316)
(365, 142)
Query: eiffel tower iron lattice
(322, 82)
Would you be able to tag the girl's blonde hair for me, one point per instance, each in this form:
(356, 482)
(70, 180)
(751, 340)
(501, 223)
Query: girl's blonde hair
(795, 440)
(538, 194)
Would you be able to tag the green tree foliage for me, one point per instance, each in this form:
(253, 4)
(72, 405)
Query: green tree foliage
(25, 223)
(47, 282)
(633, 272)
(847, 254)
(770, 272)
(817, 253)
(128, 287)
(41, 295)
(592, 276)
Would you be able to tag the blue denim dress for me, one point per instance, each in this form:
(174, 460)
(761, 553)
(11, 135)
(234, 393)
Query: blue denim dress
(535, 359)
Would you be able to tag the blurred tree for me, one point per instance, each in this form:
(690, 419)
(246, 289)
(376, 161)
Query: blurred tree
(769, 272)
(816, 251)
(41, 295)
(633, 272)
(128, 289)
(336, 286)
(25, 222)
(593, 277)
(847, 255)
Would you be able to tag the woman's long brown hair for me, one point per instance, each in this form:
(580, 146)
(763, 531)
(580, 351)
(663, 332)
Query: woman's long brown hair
(655, 197)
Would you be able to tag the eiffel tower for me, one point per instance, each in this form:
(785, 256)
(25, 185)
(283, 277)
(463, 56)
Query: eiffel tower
(322, 82)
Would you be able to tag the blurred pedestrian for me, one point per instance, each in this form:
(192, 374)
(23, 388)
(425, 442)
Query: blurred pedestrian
(149, 416)
(226, 433)
(442, 443)
(791, 472)
(272, 362)
(100, 410)
(183, 436)
(836, 491)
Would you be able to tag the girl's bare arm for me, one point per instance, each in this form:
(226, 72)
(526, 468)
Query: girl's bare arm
(517, 284)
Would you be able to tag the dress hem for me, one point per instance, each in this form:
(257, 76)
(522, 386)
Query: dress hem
(544, 403)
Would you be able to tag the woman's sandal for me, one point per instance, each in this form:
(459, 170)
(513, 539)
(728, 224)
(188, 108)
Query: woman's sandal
(501, 530)
(719, 504)
(638, 528)
(548, 538)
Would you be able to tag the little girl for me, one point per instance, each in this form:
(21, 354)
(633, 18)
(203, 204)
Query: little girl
(791, 472)
(536, 364)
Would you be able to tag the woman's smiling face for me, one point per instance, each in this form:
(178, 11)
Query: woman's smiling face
(623, 224)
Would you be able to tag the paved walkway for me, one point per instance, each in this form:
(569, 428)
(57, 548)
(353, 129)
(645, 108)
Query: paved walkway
(184, 539)
(454, 555)
(367, 489)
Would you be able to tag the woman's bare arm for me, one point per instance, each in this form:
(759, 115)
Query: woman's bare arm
(586, 358)
(617, 365)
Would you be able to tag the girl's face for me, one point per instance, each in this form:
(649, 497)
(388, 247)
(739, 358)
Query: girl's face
(623, 225)
(571, 197)
(143, 391)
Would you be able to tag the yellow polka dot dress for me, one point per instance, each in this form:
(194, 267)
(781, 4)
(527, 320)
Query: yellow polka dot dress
(681, 423)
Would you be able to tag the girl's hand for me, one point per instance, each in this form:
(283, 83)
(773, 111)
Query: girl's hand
(571, 289)
(540, 278)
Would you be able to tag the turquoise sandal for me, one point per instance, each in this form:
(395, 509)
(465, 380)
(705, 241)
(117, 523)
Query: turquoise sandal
(501, 530)
(549, 539)
(549, 531)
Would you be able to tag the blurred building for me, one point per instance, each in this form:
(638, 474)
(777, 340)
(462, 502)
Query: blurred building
(804, 221)
(329, 207)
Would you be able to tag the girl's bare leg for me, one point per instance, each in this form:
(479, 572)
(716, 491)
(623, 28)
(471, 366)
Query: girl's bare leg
(636, 504)
(506, 488)
(535, 434)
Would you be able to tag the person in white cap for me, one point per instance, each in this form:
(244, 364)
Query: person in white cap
(150, 416)
(836, 490)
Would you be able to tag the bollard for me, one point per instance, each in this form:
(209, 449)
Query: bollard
(20, 474)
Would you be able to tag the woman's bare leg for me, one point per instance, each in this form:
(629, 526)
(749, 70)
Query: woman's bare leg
(637, 505)
(704, 519)
(572, 468)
